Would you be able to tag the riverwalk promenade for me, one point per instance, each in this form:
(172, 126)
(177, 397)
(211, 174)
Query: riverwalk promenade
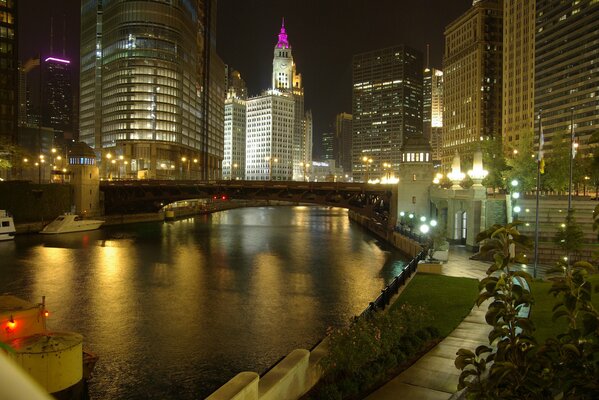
(434, 376)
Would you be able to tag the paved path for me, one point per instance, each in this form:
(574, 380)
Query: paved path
(434, 376)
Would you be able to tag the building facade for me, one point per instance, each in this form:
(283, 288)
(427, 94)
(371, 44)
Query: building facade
(432, 112)
(343, 137)
(566, 71)
(57, 95)
(152, 87)
(328, 146)
(9, 73)
(269, 136)
(279, 156)
(235, 132)
(518, 71)
(472, 80)
(386, 107)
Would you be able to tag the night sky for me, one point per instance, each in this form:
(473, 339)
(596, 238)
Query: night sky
(324, 34)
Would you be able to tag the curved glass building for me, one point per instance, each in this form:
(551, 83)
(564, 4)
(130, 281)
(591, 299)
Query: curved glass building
(152, 88)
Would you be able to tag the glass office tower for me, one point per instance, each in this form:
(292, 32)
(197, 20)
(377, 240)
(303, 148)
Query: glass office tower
(147, 96)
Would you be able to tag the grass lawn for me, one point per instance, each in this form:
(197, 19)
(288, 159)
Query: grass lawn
(448, 299)
(541, 311)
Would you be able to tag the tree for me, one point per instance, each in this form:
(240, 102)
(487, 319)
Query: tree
(557, 166)
(569, 237)
(522, 164)
(494, 162)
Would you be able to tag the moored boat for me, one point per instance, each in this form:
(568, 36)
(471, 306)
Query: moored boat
(7, 226)
(67, 223)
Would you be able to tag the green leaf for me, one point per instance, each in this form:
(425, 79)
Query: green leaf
(570, 348)
(483, 349)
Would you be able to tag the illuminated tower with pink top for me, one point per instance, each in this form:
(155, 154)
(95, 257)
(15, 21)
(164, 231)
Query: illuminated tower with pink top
(282, 63)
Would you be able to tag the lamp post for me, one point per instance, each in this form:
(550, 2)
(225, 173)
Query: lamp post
(108, 169)
(366, 161)
(188, 161)
(305, 167)
(25, 161)
(270, 160)
(387, 169)
(39, 168)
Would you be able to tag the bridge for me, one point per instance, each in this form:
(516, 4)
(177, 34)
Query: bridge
(138, 196)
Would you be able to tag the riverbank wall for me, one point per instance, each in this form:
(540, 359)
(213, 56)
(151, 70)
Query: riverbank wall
(297, 373)
(406, 245)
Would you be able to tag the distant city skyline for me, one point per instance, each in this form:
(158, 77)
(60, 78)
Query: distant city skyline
(325, 35)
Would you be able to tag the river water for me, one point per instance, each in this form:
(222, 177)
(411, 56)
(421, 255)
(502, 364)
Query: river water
(176, 309)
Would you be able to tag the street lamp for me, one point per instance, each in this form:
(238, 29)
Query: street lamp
(387, 169)
(108, 170)
(366, 161)
(270, 160)
(184, 160)
(305, 167)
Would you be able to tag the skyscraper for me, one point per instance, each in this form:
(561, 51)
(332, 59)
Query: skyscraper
(9, 83)
(343, 132)
(566, 70)
(433, 110)
(269, 136)
(387, 107)
(152, 86)
(57, 96)
(518, 71)
(328, 146)
(267, 127)
(472, 80)
(235, 128)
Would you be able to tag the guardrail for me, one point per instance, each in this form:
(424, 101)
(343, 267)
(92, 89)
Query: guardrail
(382, 301)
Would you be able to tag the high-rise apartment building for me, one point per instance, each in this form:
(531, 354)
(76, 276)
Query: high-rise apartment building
(432, 111)
(518, 71)
(472, 80)
(9, 73)
(566, 68)
(152, 86)
(387, 107)
(343, 138)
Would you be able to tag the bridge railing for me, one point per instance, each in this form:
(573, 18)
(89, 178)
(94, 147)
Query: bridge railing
(382, 301)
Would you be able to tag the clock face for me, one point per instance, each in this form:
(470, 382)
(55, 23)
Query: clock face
(284, 64)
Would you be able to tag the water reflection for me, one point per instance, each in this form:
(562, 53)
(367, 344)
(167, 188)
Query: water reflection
(176, 309)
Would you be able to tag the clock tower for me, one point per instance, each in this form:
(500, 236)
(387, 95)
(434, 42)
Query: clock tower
(282, 63)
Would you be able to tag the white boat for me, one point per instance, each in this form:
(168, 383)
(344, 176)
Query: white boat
(7, 226)
(71, 223)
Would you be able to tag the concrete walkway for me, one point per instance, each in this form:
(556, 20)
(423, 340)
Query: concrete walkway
(434, 376)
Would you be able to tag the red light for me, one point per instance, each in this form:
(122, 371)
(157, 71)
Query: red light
(224, 197)
(214, 198)
(11, 324)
